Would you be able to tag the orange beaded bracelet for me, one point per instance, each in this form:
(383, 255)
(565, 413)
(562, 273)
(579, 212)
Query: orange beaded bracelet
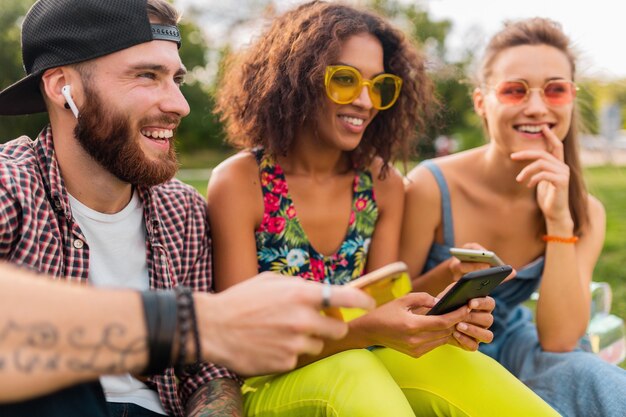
(559, 239)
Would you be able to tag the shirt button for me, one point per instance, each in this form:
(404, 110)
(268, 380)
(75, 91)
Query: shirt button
(78, 244)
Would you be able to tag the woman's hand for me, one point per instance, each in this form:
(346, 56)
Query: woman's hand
(474, 329)
(402, 326)
(550, 174)
(459, 268)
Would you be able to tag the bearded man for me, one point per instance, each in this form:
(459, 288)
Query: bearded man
(92, 200)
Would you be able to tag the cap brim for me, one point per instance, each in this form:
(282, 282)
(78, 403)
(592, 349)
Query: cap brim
(23, 97)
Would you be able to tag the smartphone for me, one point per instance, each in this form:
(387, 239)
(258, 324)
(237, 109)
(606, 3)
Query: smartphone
(476, 255)
(474, 284)
(384, 284)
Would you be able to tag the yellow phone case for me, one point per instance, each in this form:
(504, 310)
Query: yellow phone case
(384, 284)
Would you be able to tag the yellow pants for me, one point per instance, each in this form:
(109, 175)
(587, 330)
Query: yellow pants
(360, 383)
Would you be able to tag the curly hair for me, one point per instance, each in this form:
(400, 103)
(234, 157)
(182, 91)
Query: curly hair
(542, 31)
(277, 83)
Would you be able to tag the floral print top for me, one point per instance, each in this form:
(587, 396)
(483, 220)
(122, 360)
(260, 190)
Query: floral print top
(282, 245)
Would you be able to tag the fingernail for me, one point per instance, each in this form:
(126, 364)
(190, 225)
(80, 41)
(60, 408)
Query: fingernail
(457, 335)
(461, 326)
(474, 304)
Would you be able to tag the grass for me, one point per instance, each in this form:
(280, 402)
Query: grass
(204, 158)
(608, 184)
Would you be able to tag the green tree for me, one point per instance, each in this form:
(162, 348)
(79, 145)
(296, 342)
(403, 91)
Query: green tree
(11, 15)
(588, 106)
(200, 129)
(456, 117)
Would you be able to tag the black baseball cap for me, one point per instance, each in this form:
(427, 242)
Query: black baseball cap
(63, 32)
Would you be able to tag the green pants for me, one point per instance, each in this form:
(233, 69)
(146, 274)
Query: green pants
(360, 383)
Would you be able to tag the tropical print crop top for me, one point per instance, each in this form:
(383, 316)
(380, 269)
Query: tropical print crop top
(282, 245)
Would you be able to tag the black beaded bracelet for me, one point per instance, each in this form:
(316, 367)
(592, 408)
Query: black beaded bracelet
(160, 311)
(195, 368)
(186, 323)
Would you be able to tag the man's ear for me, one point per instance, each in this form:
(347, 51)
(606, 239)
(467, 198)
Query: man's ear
(53, 80)
(479, 102)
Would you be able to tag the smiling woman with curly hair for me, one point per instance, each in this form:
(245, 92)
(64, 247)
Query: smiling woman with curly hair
(275, 89)
(321, 105)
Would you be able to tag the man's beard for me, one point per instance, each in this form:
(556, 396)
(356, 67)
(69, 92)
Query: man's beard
(109, 138)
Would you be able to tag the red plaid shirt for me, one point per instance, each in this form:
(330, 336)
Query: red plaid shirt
(37, 230)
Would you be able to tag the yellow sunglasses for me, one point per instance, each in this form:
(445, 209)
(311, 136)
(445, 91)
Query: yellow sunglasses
(344, 84)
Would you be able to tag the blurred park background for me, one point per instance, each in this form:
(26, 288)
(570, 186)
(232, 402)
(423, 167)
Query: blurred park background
(212, 29)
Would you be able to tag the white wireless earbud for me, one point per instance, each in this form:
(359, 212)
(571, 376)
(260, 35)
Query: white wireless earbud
(65, 91)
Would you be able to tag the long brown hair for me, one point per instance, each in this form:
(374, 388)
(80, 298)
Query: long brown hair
(271, 89)
(540, 31)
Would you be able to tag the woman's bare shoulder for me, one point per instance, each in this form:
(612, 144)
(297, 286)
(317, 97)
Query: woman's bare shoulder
(390, 182)
(240, 168)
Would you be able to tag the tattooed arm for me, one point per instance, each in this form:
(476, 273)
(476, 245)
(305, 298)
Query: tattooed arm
(219, 398)
(55, 334)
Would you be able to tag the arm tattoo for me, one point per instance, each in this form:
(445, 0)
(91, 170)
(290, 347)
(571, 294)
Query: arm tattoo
(40, 347)
(218, 398)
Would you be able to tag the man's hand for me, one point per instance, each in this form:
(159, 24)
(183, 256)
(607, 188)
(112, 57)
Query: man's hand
(262, 325)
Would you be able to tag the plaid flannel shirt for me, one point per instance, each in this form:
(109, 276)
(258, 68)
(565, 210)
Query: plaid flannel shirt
(37, 230)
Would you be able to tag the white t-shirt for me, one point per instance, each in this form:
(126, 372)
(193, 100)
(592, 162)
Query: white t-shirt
(117, 258)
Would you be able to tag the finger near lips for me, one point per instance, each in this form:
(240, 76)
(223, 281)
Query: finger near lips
(554, 142)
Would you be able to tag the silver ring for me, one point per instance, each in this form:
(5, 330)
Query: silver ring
(326, 291)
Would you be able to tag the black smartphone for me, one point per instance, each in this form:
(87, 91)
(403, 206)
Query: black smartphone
(474, 284)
